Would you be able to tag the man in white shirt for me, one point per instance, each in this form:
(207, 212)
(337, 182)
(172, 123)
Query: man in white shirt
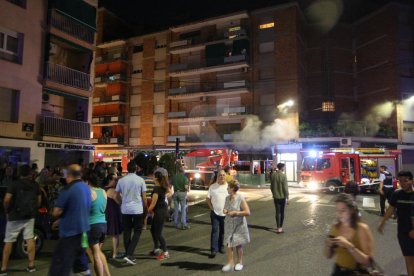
(131, 190)
(216, 197)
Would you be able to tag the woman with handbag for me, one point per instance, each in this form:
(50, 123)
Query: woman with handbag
(349, 239)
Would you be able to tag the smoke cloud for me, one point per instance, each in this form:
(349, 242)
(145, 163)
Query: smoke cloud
(324, 14)
(252, 136)
(349, 125)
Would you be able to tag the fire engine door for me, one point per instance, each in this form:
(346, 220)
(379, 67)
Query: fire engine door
(347, 169)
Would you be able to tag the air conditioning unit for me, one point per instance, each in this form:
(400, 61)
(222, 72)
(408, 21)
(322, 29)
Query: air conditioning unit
(345, 142)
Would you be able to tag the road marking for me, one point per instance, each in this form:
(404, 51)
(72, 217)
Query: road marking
(200, 215)
(324, 200)
(368, 202)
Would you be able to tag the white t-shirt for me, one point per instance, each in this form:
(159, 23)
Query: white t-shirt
(131, 187)
(217, 194)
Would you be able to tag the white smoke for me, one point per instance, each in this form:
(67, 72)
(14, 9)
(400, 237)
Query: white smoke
(324, 14)
(369, 125)
(253, 136)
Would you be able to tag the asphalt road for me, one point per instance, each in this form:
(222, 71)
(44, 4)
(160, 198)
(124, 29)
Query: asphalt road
(296, 252)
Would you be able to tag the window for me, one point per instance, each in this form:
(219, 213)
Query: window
(328, 106)
(266, 47)
(138, 48)
(322, 164)
(159, 109)
(158, 131)
(21, 3)
(159, 86)
(267, 25)
(11, 45)
(160, 65)
(137, 71)
(9, 105)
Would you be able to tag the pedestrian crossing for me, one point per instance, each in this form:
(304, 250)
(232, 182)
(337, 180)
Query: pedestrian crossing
(366, 202)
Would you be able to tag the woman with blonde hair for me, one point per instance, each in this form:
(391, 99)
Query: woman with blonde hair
(349, 239)
(236, 233)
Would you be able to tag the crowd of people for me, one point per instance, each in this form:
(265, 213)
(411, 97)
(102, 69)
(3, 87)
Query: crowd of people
(89, 203)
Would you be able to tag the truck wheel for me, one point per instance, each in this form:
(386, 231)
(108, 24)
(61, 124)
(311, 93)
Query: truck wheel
(332, 186)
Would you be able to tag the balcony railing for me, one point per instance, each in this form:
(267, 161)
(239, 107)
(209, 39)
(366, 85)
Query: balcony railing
(209, 87)
(111, 58)
(207, 111)
(220, 35)
(72, 26)
(109, 99)
(108, 119)
(112, 78)
(67, 76)
(59, 127)
(108, 140)
(208, 63)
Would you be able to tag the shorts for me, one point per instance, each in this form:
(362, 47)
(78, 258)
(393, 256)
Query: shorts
(97, 233)
(13, 229)
(406, 245)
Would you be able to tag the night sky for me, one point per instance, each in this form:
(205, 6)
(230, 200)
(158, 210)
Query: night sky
(154, 15)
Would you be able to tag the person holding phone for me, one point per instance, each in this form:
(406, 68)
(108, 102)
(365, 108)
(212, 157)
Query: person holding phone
(349, 240)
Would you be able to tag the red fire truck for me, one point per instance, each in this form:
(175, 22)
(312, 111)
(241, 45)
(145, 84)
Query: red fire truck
(332, 170)
(200, 164)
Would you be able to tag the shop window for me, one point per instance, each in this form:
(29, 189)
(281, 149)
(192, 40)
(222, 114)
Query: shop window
(9, 105)
(11, 45)
(267, 25)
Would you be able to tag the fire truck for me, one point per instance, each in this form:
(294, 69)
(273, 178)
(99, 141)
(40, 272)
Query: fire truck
(330, 171)
(200, 164)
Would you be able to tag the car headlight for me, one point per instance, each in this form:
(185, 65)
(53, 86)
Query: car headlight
(197, 175)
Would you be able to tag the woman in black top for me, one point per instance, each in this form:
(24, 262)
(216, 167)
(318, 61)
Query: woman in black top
(159, 209)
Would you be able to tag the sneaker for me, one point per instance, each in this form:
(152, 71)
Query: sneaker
(185, 227)
(227, 268)
(119, 256)
(212, 255)
(84, 273)
(131, 260)
(238, 267)
(155, 252)
(31, 269)
(163, 256)
(3, 273)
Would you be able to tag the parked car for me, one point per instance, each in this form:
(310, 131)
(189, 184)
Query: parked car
(42, 229)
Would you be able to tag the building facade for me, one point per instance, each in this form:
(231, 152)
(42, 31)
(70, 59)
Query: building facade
(228, 81)
(46, 62)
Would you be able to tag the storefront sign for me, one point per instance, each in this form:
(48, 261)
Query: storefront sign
(65, 146)
(378, 145)
(319, 145)
(27, 127)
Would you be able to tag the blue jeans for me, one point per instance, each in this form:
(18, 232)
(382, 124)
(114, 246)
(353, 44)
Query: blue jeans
(68, 255)
(180, 205)
(217, 231)
(280, 211)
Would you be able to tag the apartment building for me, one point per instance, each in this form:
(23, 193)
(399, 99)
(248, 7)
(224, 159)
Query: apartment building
(216, 74)
(46, 58)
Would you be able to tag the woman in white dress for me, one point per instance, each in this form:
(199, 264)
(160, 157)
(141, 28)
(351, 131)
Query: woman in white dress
(236, 233)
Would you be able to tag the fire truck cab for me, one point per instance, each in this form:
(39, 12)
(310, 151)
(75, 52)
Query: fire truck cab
(331, 171)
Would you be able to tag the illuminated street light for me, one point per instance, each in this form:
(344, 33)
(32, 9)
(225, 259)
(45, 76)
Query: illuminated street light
(289, 103)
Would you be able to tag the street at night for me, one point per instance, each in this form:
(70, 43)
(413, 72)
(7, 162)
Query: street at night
(298, 251)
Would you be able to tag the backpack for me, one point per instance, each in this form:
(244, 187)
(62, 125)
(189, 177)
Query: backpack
(25, 204)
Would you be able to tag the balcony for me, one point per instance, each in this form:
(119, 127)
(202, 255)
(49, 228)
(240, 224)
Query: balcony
(235, 87)
(66, 76)
(59, 127)
(206, 113)
(110, 79)
(109, 99)
(111, 58)
(72, 26)
(208, 66)
(108, 120)
(198, 43)
(108, 141)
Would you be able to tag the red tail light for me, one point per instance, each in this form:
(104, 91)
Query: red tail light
(42, 211)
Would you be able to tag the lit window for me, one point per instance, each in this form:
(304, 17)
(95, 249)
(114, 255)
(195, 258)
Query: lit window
(267, 25)
(328, 106)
